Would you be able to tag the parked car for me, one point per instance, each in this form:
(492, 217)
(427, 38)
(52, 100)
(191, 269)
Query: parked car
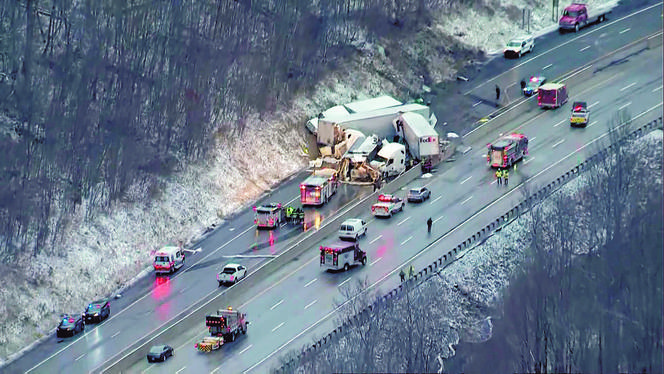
(352, 228)
(533, 85)
(231, 273)
(418, 194)
(97, 311)
(70, 325)
(160, 353)
(519, 46)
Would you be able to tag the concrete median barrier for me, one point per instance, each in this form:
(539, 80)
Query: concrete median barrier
(123, 361)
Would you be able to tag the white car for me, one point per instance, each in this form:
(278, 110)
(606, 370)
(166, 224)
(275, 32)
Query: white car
(352, 228)
(231, 273)
(519, 46)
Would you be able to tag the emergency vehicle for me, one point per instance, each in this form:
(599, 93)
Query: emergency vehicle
(507, 150)
(387, 205)
(224, 326)
(168, 259)
(269, 215)
(580, 114)
(319, 187)
(341, 255)
(552, 95)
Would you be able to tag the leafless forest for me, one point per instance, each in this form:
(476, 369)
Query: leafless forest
(588, 298)
(98, 95)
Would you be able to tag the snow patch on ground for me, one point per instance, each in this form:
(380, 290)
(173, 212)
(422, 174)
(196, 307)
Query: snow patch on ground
(105, 254)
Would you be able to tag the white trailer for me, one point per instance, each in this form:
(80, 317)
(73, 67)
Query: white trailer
(377, 122)
(353, 107)
(420, 135)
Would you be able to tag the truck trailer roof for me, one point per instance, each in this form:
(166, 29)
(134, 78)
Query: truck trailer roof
(419, 124)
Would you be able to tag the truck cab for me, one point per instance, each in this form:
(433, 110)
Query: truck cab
(390, 160)
(507, 150)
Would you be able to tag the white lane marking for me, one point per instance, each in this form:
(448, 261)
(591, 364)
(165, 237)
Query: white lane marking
(310, 304)
(628, 86)
(465, 201)
(625, 106)
(547, 66)
(404, 220)
(558, 143)
(378, 237)
(624, 31)
(592, 123)
(276, 328)
(376, 260)
(438, 219)
(528, 160)
(533, 138)
(494, 181)
(178, 372)
(593, 104)
(146, 370)
(405, 241)
(244, 350)
(310, 282)
(116, 334)
(560, 123)
(436, 199)
(593, 30)
(657, 89)
(477, 103)
(458, 227)
(277, 304)
(80, 357)
(466, 180)
(344, 282)
(584, 48)
(231, 229)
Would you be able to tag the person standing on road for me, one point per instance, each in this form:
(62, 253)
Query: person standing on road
(497, 94)
(499, 176)
(402, 275)
(506, 175)
(429, 223)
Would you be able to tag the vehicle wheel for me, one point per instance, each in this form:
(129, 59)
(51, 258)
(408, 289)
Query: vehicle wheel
(162, 358)
(220, 284)
(576, 28)
(232, 337)
(244, 330)
(346, 267)
(364, 260)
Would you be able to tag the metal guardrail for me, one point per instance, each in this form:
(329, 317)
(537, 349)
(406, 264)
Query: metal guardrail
(470, 243)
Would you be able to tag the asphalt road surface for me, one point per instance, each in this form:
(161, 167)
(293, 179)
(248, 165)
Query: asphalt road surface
(297, 305)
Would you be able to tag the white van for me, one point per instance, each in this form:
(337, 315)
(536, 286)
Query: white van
(352, 228)
(168, 259)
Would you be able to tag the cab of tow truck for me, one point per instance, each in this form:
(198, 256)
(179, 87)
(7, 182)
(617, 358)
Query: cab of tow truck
(580, 114)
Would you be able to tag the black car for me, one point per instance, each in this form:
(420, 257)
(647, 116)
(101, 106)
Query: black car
(70, 325)
(532, 86)
(418, 194)
(160, 353)
(97, 311)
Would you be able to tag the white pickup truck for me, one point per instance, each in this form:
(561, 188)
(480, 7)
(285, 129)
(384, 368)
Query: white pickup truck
(387, 205)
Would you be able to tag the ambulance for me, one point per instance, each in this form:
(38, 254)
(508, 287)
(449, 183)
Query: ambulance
(168, 259)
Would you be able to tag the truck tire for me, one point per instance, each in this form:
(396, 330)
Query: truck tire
(576, 27)
(346, 267)
(364, 260)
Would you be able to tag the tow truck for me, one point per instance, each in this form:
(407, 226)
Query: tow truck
(224, 326)
(580, 114)
(387, 205)
(507, 150)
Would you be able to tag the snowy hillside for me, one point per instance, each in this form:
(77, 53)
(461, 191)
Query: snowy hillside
(116, 247)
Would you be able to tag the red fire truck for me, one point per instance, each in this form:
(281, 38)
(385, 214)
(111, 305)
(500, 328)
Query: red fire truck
(507, 150)
(319, 187)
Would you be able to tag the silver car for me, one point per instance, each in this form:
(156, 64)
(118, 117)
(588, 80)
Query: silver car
(418, 194)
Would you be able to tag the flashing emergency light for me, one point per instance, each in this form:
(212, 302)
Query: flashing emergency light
(578, 108)
(385, 198)
(230, 308)
(534, 79)
(255, 208)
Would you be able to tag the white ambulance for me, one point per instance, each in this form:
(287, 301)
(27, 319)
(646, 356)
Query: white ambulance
(168, 260)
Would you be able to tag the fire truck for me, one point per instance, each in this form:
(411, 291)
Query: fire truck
(224, 326)
(271, 215)
(319, 187)
(341, 255)
(507, 150)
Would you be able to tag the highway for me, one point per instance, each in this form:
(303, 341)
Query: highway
(306, 295)
(289, 308)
